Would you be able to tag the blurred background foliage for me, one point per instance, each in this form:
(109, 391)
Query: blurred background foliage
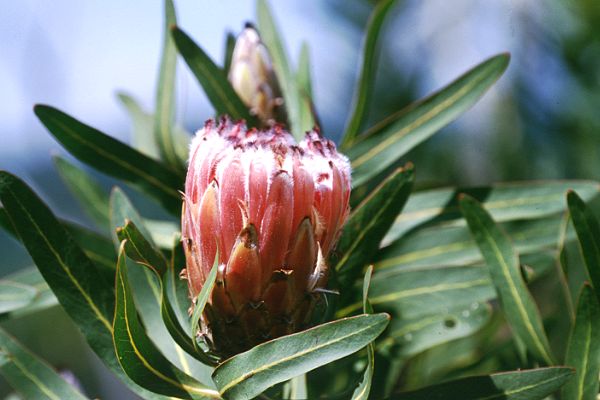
(540, 121)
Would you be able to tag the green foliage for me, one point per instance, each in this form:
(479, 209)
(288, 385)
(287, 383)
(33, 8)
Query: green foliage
(29, 375)
(429, 281)
(503, 265)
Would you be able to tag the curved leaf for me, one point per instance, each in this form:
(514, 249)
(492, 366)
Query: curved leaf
(139, 249)
(248, 374)
(534, 384)
(365, 86)
(517, 303)
(583, 350)
(147, 290)
(389, 140)
(138, 356)
(30, 376)
(212, 78)
(113, 157)
(505, 202)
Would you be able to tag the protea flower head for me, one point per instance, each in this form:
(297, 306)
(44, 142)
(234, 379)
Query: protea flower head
(252, 77)
(273, 209)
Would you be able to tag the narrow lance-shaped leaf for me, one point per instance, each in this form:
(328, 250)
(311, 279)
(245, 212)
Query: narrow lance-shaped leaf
(516, 301)
(138, 356)
(364, 387)
(248, 374)
(583, 350)
(202, 298)
(534, 384)
(15, 295)
(452, 245)
(412, 293)
(139, 249)
(588, 232)
(229, 46)
(271, 36)
(389, 140)
(30, 376)
(505, 202)
(92, 198)
(307, 114)
(368, 66)
(164, 117)
(81, 289)
(113, 157)
(212, 78)
(142, 138)
(369, 222)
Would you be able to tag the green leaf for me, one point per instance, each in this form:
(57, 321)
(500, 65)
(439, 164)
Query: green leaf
(15, 295)
(271, 36)
(91, 196)
(139, 249)
(389, 140)
(534, 384)
(113, 157)
(29, 375)
(369, 222)
(229, 46)
(408, 337)
(202, 298)
(303, 74)
(306, 112)
(517, 303)
(365, 85)
(164, 116)
(44, 298)
(97, 247)
(148, 293)
(505, 202)
(588, 232)
(138, 356)
(141, 136)
(583, 351)
(248, 374)
(80, 288)
(412, 293)
(364, 387)
(452, 245)
(212, 78)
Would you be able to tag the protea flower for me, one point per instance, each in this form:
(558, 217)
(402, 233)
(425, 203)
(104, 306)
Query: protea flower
(273, 209)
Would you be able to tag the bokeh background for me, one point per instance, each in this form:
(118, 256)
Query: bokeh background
(542, 119)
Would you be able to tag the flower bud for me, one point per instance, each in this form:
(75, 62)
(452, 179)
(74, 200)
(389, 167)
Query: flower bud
(274, 210)
(252, 77)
